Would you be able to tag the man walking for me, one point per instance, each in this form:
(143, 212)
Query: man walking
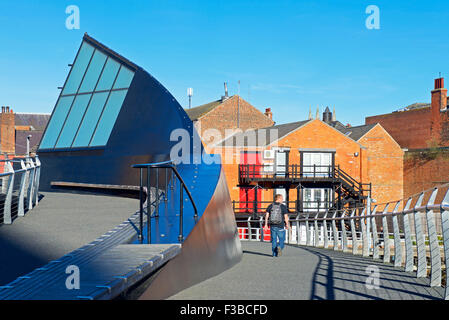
(277, 217)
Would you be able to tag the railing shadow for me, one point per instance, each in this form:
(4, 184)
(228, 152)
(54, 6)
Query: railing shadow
(391, 284)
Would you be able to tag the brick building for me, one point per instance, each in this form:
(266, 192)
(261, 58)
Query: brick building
(321, 163)
(419, 125)
(227, 113)
(16, 127)
(423, 129)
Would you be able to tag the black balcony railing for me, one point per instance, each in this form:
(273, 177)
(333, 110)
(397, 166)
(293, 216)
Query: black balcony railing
(272, 172)
(153, 206)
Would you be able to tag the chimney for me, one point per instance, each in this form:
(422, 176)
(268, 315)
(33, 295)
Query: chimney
(225, 97)
(3, 109)
(327, 115)
(438, 104)
(7, 109)
(268, 113)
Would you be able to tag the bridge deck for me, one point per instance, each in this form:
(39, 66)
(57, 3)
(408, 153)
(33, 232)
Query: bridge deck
(61, 223)
(308, 273)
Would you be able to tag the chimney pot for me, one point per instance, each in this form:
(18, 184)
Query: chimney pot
(268, 113)
(439, 83)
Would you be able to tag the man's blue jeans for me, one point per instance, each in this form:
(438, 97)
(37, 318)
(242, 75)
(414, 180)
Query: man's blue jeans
(276, 233)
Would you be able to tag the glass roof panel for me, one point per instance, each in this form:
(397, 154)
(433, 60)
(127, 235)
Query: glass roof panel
(78, 69)
(108, 75)
(56, 122)
(73, 120)
(108, 118)
(124, 78)
(90, 119)
(93, 72)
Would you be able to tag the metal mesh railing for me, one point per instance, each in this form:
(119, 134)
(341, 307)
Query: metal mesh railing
(19, 188)
(412, 233)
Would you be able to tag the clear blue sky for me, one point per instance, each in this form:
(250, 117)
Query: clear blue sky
(288, 55)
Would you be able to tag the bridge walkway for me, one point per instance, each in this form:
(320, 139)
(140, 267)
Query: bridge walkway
(308, 273)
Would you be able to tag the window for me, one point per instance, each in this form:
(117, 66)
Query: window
(93, 72)
(90, 119)
(57, 120)
(90, 101)
(78, 69)
(108, 118)
(72, 121)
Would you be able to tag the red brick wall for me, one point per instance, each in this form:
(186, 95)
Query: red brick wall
(410, 129)
(384, 166)
(7, 132)
(423, 171)
(380, 159)
(225, 117)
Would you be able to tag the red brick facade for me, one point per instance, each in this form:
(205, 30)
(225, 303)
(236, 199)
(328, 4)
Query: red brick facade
(225, 116)
(375, 158)
(7, 131)
(425, 170)
(419, 128)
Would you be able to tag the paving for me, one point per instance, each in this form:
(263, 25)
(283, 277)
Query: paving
(61, 223)
(308, 273)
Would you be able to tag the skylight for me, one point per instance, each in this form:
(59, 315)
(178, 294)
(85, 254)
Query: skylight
(90, 101)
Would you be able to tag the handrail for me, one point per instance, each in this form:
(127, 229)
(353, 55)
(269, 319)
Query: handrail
(163, 165)
(359, 228)
(28, 187)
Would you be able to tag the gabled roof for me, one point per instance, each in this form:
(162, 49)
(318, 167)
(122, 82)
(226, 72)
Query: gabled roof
(37, 120)
(245, 139)
(197, 112)
(356, 132)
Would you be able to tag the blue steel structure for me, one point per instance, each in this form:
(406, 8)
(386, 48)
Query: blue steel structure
(112, 114)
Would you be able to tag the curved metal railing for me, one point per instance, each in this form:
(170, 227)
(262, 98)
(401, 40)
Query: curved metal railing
(19, 187)
(161, 165)
(412, 233)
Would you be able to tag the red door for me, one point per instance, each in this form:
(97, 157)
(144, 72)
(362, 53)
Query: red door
(252, 166)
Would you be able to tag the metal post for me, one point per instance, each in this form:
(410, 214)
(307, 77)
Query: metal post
(250, 234)
(149, 205)
(397, 238)
(408, 238)
(308, 240)
(261, 229)
(375, 235)
(355, 244)
(157, 192)
(30, 184)
(326, 233)
(365, 249)
(344, 236)
(420, 242)
(7, 217)
(36, 181)
(181, 209)
(386, 236)
(141, 208)
(435, 255)
(297, 229)
(317, 235)
(334, 228)
(445, 227)
(21, 201)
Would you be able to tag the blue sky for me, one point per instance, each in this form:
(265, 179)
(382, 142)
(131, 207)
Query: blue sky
(288, 55)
